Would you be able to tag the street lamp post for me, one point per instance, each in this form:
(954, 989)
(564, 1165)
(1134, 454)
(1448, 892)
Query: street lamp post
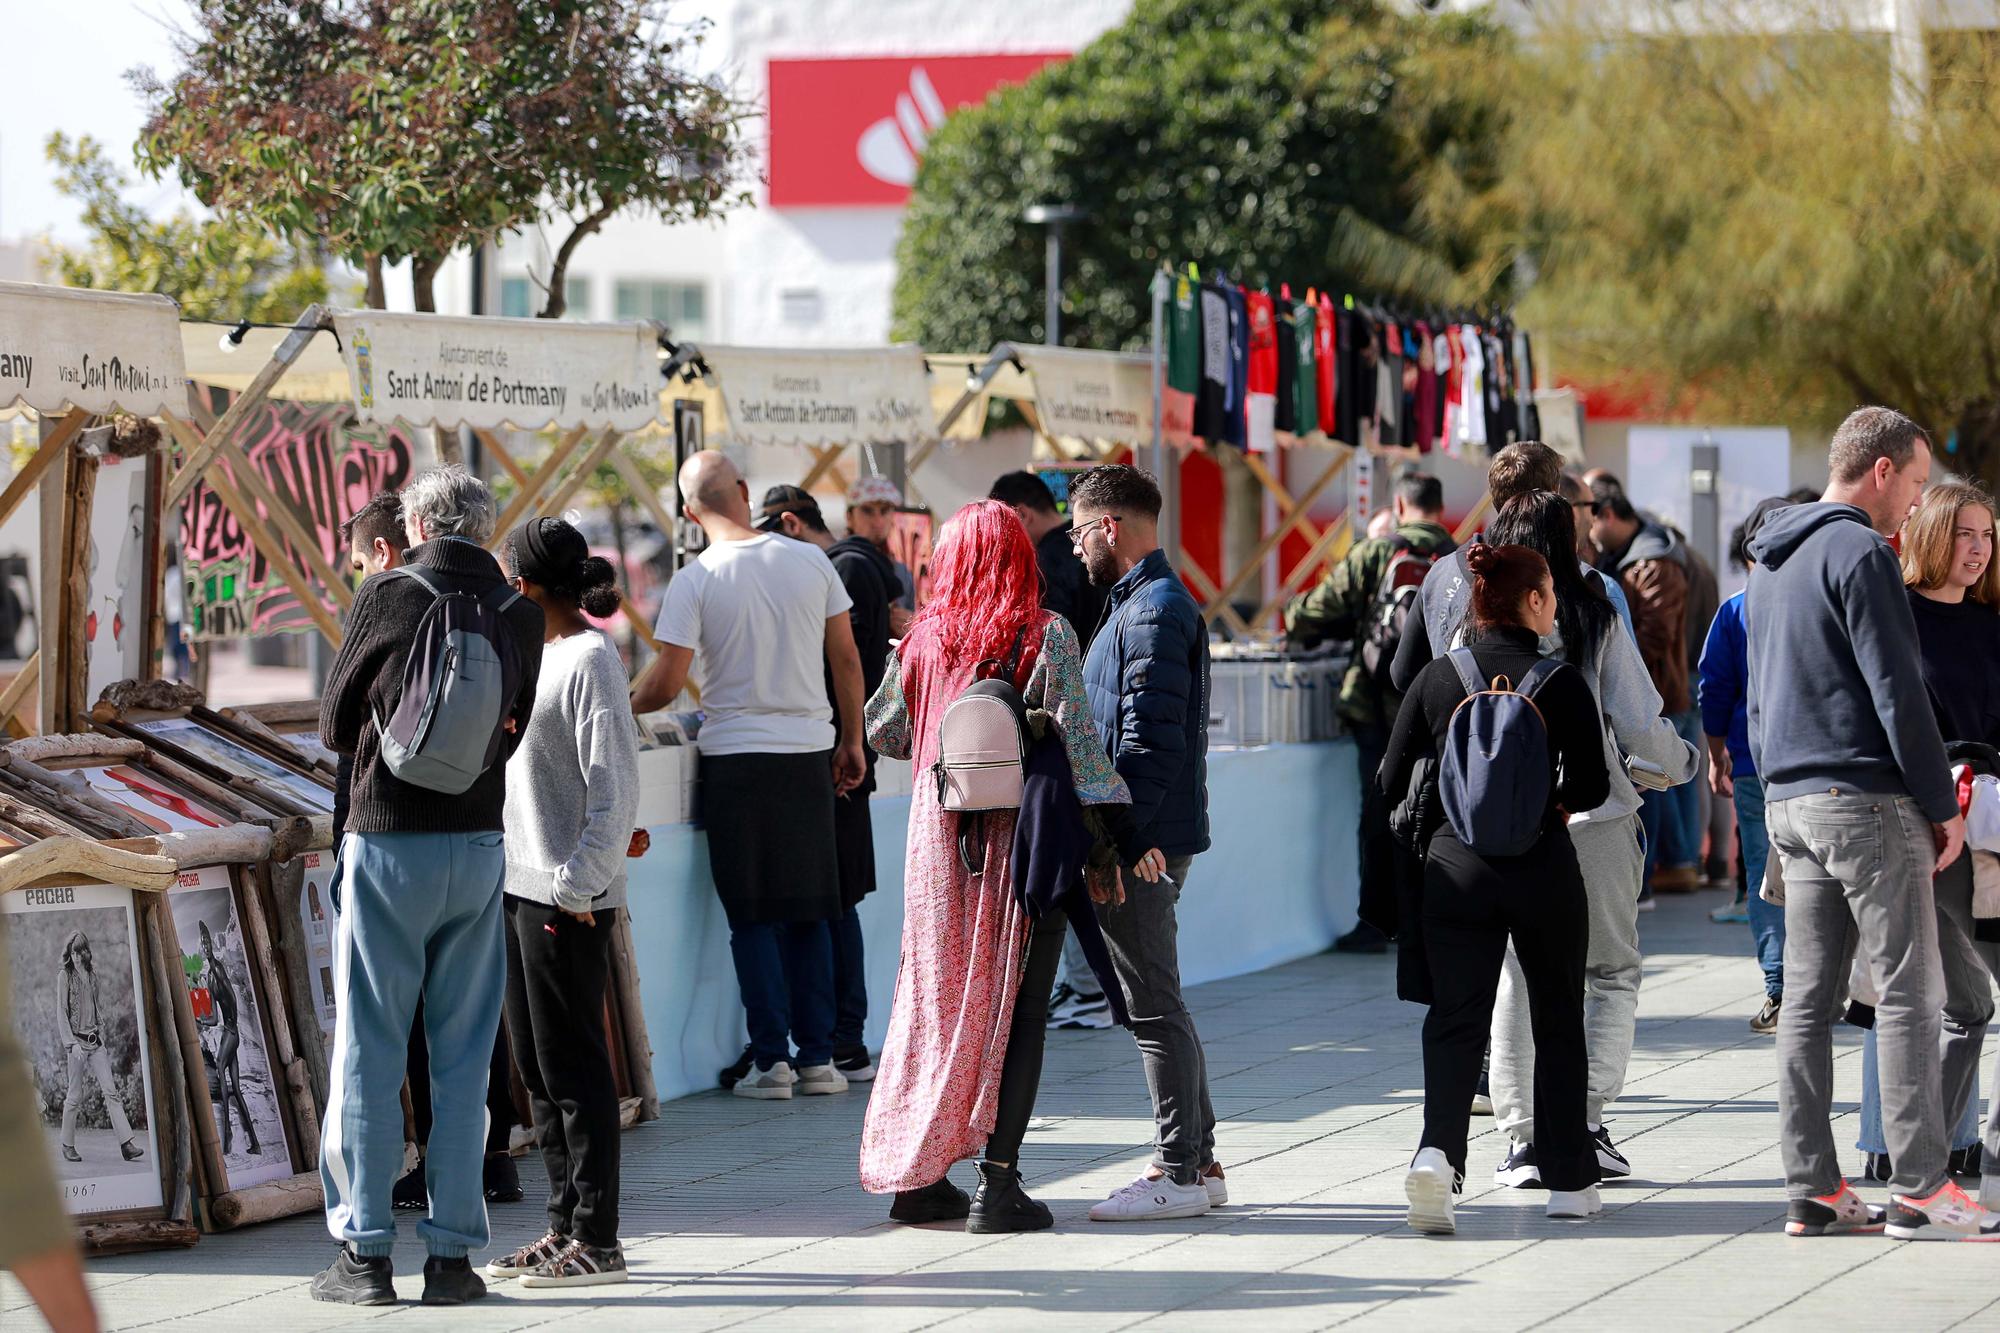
(1054, 217)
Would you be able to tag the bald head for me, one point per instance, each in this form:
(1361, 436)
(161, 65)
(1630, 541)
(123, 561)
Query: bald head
(713, 488)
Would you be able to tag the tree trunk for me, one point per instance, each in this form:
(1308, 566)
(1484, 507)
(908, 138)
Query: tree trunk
(558, 297)
(378, 295)
(423, 288)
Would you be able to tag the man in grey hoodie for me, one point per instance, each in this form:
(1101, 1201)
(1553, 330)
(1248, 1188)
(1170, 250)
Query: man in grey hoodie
(1862, 811)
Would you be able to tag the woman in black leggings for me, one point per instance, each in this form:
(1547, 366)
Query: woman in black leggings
(1473, 903)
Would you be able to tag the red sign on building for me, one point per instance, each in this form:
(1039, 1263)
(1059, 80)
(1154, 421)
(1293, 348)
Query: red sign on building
(849, 133)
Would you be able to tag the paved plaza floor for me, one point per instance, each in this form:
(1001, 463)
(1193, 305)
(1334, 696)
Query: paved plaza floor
(746, 1214)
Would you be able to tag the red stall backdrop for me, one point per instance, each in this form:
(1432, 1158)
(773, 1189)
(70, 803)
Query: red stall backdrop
(849, 133)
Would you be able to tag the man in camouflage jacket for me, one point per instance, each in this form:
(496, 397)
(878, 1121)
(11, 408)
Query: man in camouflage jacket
(1340, 608)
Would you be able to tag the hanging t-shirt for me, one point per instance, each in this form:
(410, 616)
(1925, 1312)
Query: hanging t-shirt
(1177, 397)
(1305, 385)
(755, 613)
(1326, 366)
(1424, 402)
(1236, 428)
(1388, 385)
(1211, 408)
(1261, 372)
(1287, 418)
(1531, 415)
(1472, 405)
(1451, 375)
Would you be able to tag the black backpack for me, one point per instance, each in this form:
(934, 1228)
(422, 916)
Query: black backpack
(1396, 600)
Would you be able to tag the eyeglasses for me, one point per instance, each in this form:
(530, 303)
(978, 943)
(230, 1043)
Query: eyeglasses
(1076, 535)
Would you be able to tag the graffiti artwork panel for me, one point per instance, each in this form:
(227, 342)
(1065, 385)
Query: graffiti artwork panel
(323, 467)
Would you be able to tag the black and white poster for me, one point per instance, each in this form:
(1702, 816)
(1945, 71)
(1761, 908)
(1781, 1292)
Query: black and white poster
(241, 1085)
(320, 924)
(80, 1009)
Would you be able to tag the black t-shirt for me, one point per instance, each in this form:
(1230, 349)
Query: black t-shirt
(1960, 646)
(1066, 586)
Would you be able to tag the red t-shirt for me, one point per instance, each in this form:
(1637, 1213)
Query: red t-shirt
(1324, 352)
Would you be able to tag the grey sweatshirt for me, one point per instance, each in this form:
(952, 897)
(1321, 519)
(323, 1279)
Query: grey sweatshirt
(1836, 683)
(1617, 676)
(573, 785)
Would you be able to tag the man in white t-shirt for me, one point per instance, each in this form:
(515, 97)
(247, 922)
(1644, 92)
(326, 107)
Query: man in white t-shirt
(758, 619)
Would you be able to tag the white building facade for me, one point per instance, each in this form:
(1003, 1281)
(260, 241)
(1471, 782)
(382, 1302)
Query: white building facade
(848, 91)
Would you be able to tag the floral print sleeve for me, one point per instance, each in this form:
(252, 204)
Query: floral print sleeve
(1057, 686)
(887, 717)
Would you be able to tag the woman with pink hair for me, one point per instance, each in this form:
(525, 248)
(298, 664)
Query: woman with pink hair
(964, 1053)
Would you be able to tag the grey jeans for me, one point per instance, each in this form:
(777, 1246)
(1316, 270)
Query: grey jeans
(1144, 942)
(1613, 863)
(1970, 969)
(1857, 870)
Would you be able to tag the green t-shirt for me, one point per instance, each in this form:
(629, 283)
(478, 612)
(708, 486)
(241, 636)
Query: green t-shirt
(1184, 335)
(1305, 385)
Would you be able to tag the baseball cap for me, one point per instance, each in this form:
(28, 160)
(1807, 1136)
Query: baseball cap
(782, 500)
(874, 490)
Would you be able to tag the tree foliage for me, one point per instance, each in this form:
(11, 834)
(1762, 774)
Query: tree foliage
(1273, 139)
(410, 130)
(1776, 223)
(216, 270)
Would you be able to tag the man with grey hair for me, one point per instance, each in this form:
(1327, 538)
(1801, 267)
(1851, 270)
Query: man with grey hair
(420, 874)
(769, 618)
(1862, 811)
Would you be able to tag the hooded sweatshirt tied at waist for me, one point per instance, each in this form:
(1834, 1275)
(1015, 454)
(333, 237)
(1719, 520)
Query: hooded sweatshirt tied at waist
(1652, 571)
(1836, 683)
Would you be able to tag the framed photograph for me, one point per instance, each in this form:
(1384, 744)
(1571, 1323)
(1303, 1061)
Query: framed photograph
(229, 1009)
(192, 741)
(80, 1002)
(319, 922)
(154, 800)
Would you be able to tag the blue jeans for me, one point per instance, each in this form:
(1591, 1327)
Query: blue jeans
(1963, 1135)
(850, 980)
(420, 916)
(1767, 920)
(785, 975)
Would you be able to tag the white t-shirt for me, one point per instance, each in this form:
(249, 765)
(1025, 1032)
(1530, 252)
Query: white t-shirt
(755, 613)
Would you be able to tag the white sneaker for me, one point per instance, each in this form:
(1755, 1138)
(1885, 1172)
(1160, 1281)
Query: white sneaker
(1947, 1215)
(771, 1085)
(1430, 1185)
(820, 1081)
(1152, 1201)
(1575, 1204)
(1218, 1188)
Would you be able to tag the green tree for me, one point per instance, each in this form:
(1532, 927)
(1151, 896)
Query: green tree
(1273, 139)
(1775, 223)
(216, 270)
(408, 131)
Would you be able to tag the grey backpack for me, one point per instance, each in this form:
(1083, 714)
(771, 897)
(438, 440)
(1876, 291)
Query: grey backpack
(1493, 777)
(459, 684)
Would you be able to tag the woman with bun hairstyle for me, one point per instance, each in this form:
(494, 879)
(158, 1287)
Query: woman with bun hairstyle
(572, 793)
(1472, 904)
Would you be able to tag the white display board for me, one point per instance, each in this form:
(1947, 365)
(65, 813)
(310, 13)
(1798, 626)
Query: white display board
(1755, 462)
(492, 373)
(834, 396)
(99, 351)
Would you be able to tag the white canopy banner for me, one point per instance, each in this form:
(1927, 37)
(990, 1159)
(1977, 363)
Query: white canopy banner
(1092, 395)
(491, 373)
(99, 351)
(812, 396)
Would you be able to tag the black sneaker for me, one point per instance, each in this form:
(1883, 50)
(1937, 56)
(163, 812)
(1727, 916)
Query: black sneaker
(451, 1281)
(1611, 1163)
(942, 1202)
(1966, 1162)
(1002, 1205)
(1364, 938)
(503, 1179)
(352, 1280)
(736, 1073)
(1877, 1166)
(1519, 1170)
(411, 1193)
(853, 1063)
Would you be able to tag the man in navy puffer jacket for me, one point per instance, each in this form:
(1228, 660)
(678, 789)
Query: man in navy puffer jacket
(1147, 678)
